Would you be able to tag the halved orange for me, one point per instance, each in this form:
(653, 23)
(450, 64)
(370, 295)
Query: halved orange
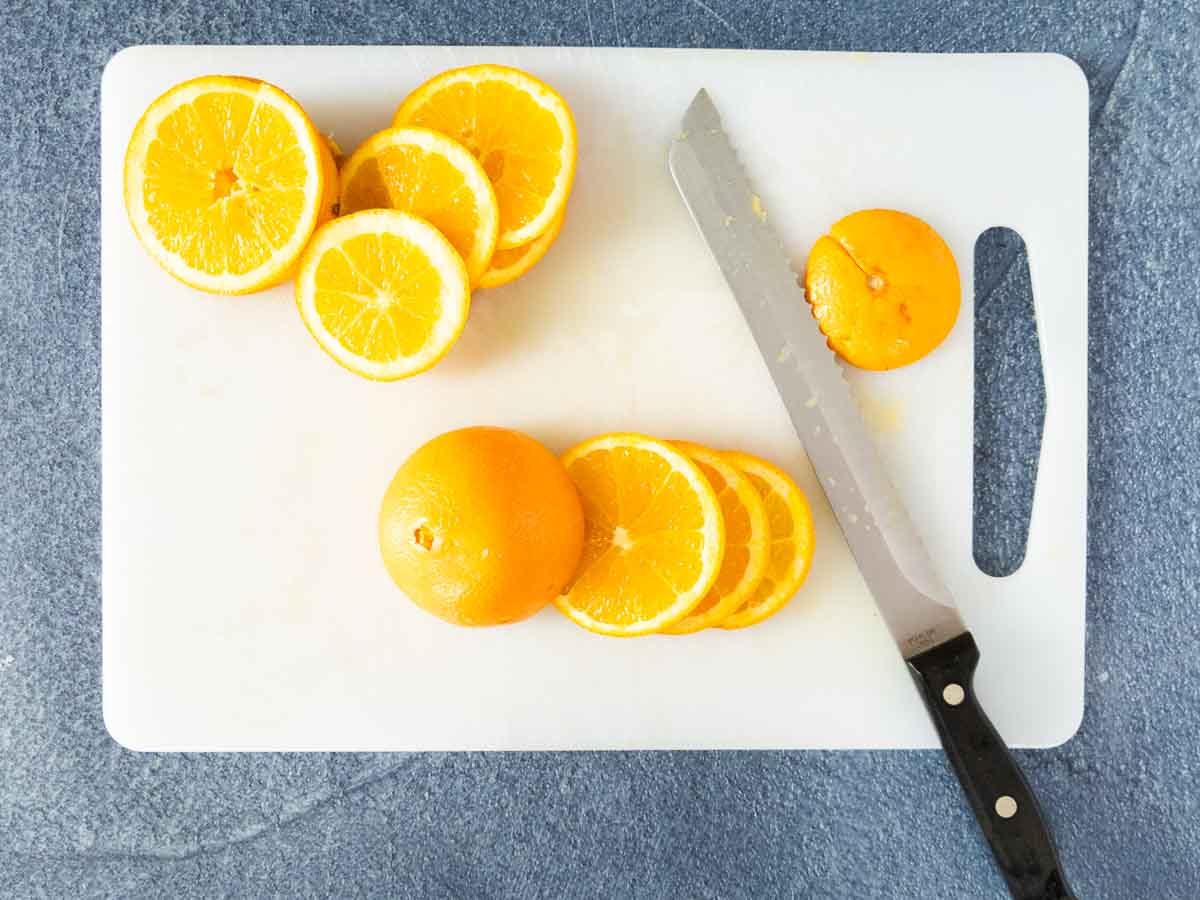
(383, 292)
(481, 526)
(654, 535)
(429, 175)
(519, 128)
(884, 287)
(747, 540)
(792, 539)
(225, 181)
(509, 265)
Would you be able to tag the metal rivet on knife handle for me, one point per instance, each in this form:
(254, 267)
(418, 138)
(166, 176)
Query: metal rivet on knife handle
(1006, 807)
(953, 694)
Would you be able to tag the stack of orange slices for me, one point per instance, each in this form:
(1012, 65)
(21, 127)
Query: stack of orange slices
(480, 158)
(679, 537)
(231, 189)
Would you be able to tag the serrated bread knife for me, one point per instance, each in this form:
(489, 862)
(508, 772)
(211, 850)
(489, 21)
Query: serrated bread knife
(918, 609)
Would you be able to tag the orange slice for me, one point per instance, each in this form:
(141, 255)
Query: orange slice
(654, 535)
(429, 175)
(747, 541)
(225, 181)
(520, 129)
(509, 265)
(792, 539)
(383, 293)
(884, 287)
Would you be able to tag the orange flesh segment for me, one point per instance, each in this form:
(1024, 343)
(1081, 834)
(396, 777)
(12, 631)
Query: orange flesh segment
(351, 280)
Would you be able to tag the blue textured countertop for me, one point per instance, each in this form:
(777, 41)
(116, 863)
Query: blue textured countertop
(81, 817)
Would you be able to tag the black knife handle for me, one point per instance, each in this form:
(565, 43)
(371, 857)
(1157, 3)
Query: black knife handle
(1001, 799)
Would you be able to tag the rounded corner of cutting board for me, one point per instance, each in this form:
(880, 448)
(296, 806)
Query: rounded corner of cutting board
(125, 65)
(1068, 726)
(118, 727)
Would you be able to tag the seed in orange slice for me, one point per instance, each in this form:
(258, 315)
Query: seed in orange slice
(509, 265)
(429, 175)
(654, 536)
(747, 540)
(884, 287)
(225, 181)
(792, 539)
(383, 292)
(519, 128)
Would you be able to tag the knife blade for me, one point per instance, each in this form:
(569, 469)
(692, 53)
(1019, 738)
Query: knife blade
(912, 599)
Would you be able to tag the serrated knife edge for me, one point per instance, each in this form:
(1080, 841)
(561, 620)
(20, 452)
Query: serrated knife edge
(731, 217)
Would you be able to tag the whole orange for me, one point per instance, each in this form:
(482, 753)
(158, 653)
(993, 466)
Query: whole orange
(481, 526)
(884, 287)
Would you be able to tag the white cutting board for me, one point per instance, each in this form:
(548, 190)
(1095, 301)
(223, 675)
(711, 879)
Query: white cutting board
(245, 604)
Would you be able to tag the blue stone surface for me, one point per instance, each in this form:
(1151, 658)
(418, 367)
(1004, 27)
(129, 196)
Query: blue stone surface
(81, 817)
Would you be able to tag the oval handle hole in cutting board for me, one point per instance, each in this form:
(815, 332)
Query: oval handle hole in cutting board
(1010, 402)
